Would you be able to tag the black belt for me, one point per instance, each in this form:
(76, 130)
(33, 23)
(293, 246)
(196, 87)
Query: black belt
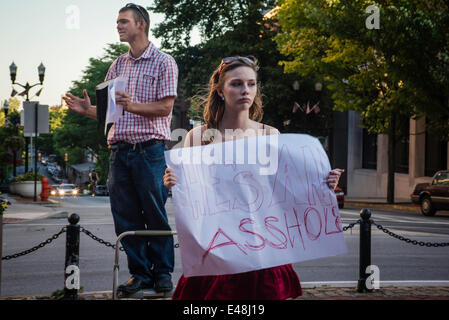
(133, 146)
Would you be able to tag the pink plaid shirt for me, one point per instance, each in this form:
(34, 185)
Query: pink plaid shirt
(151, 77)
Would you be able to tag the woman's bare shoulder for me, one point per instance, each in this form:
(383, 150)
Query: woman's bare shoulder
(192, 136)
(269, 129)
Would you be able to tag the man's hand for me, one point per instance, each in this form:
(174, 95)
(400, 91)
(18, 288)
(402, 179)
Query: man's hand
(78, 105)
(161, 108)
(123, 99)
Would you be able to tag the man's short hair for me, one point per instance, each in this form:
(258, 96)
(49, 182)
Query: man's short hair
(139, 14)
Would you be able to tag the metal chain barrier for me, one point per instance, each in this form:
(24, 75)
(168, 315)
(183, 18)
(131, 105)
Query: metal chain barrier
(414, 242)
(41, 245)
(399, 237)
(55, 236)
(351, 225)
(106, 243)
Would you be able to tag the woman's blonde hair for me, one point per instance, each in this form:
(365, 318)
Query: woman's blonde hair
(214, 105)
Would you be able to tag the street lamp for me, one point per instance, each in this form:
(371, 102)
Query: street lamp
(41, 71)
(13, 72)
(296, 85)
(27, 87)
(6, 107)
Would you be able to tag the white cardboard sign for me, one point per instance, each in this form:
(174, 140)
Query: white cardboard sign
(232, 217)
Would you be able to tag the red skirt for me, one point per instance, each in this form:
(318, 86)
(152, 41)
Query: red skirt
(277, 283)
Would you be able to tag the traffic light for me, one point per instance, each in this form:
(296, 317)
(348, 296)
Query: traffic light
(39, 156)
(66, 157)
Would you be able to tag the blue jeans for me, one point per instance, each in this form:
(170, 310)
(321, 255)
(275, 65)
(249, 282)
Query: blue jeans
(138, 197)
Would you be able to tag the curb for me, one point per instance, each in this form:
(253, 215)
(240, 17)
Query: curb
(20, 199)
(382, 206)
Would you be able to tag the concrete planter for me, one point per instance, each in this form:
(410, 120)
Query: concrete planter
(26, 188)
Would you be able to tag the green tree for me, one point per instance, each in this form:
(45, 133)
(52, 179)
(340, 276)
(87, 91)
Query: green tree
(212, 17)
(11, 142)
(247, 31)
(388, 74)
(56, 121)
(14, 105)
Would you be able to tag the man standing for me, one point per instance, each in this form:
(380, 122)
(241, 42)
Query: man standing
(137, 142)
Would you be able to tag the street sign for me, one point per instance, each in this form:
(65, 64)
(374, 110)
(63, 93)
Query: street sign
(28, 119)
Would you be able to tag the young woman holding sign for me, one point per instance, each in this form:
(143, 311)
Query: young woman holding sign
(234, 102)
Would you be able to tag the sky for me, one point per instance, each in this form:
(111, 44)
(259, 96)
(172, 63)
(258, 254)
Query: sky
(63, 35)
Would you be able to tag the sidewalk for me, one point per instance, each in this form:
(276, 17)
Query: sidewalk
(28, 209)
(311, 293)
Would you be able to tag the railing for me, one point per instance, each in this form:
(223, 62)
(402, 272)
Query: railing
(73, 230)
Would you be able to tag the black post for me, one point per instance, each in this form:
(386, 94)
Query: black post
(35, 149)
(27, 142)
(72, 249)
(365, 249)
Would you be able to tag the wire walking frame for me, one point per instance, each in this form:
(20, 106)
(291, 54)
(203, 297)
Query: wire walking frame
(144, 233)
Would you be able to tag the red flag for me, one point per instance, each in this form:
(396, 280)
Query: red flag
(295, 107)
(308, 108)
(316, 108)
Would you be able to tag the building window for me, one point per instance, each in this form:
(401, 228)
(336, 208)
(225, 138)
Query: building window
(435, 155)
(369, 156)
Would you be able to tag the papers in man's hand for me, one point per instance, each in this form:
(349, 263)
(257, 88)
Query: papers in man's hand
(114, 111)
(107, 110)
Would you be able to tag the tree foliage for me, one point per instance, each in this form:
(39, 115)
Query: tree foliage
(56, 121)
(243, 31)
(400, 69)
(11, 141)
(388, 73)
(213, 18)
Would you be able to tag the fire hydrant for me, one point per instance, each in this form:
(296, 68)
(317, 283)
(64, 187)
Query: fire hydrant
(45, 189)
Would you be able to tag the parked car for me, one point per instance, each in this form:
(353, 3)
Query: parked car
(433, 196)
(340, 197)
(65, 189)
(101, 190)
